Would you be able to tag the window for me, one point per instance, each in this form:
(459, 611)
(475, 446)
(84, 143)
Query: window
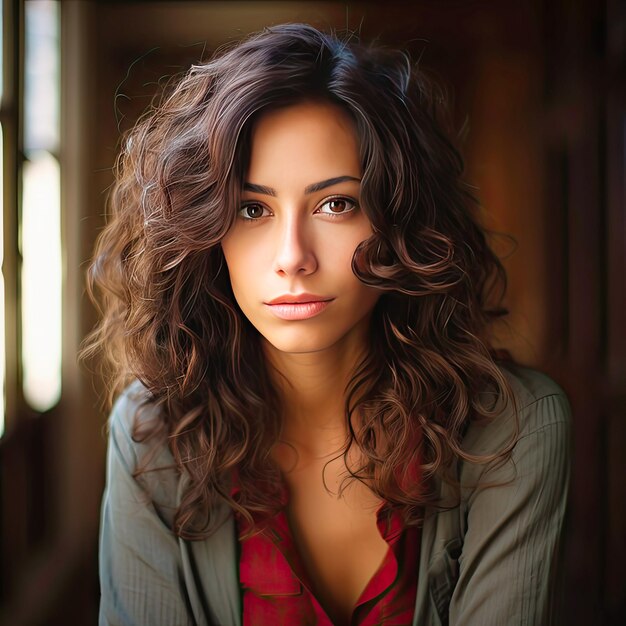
(30, 299)
(39, 228)
(30, 245)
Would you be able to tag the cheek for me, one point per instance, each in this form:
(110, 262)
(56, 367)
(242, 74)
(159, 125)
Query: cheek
(236, 249)
(243, 260)
(344, 250)
(234, 257)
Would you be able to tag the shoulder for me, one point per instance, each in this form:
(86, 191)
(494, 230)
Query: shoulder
(147, 459)
(126, 407)
(537, 404)
(540, 401)
(133, 415)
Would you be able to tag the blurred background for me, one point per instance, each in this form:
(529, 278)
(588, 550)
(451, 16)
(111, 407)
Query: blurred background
(538, 87)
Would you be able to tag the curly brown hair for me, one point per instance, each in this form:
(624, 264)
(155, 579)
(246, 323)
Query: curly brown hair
(169, 316)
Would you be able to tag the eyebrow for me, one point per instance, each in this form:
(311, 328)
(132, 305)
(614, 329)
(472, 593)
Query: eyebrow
(312, 188)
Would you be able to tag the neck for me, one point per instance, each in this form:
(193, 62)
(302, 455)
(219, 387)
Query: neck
(312, 389)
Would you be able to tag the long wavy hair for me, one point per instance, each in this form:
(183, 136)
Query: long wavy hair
(169, 317)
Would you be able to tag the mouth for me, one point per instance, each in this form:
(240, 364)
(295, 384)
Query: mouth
(298, 307)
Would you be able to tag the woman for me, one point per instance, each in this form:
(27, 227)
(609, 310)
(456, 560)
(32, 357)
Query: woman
(318, 431)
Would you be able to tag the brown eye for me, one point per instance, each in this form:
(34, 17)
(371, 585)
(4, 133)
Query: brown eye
(251, 211)
(337, 206)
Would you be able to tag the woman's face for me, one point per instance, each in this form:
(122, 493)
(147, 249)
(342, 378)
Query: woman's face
(289, 252)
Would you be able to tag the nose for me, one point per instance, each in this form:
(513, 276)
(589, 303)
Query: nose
(294, 248)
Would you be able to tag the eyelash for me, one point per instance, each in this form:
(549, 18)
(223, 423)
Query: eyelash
(346, 199)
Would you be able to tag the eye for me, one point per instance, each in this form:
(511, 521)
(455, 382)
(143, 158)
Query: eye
(252, 211)
(337, 206)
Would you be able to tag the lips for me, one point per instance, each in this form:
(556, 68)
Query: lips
(298, 298)
(298, 306)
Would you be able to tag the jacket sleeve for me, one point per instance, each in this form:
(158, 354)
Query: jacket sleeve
(140, 568)
(513, 516)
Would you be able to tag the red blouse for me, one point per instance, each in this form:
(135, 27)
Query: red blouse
(277, 590)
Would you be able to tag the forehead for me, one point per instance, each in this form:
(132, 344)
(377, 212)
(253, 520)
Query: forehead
(309, 138)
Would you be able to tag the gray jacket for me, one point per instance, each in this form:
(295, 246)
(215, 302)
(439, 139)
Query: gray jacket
(490, 560)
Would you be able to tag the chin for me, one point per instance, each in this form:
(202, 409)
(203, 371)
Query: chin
(304, 345)
(316, 335)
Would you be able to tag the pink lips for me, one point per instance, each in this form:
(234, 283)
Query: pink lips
(298, 307)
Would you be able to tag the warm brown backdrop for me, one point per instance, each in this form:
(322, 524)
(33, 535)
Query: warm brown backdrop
(541, 85)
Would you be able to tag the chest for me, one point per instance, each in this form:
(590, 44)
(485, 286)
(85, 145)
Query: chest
(337, 536)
